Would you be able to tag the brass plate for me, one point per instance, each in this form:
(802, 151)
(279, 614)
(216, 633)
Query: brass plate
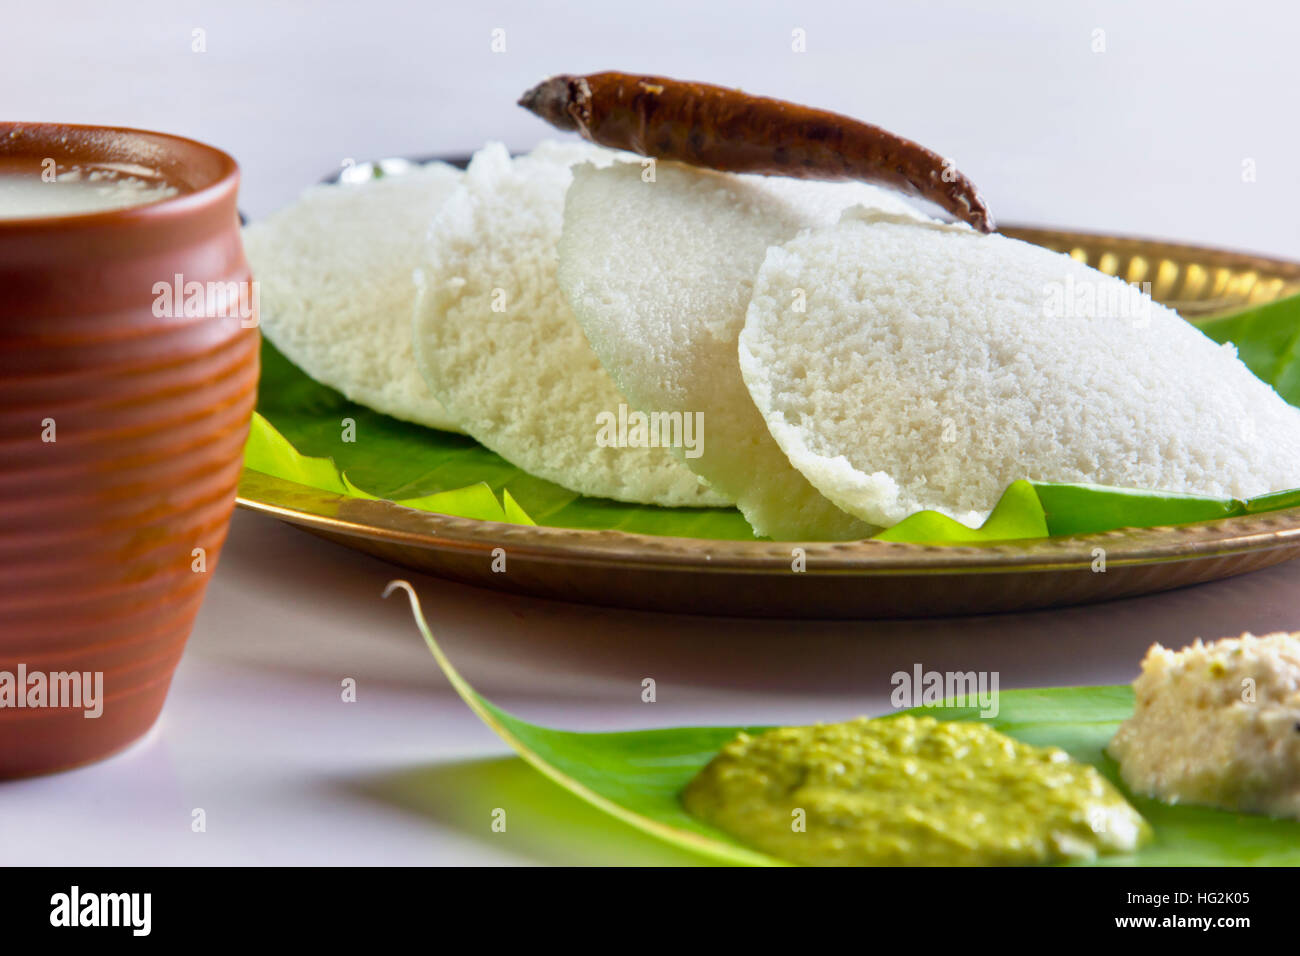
(864, 579)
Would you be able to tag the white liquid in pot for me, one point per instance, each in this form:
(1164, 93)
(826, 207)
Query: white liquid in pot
(27, 191)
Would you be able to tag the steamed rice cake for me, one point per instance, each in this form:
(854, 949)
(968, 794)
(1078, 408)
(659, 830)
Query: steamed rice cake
(931, 367)
(660, 272)
(500, 346)
(335, 271)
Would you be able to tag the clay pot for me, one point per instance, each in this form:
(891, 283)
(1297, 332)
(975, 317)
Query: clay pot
(123, 417)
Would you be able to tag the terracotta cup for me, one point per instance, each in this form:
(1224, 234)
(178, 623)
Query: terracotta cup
(123, 416)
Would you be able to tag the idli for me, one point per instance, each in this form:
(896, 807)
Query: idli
(930, 367)
(659, 270)
(336, 287)
(499, 345)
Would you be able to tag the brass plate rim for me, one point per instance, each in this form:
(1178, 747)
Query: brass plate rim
(1244, 257)
(392, 523)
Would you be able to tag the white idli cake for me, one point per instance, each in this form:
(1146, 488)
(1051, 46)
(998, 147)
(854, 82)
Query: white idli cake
(660, 273)
(932, 366)
(336, 286)
(499, 344)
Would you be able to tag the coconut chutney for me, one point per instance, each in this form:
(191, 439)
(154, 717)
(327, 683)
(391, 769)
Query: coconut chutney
(910, 791)
(1217, 724)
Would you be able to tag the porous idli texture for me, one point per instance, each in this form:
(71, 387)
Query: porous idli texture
(931, 367)
(336, 286)
(659, 270)
(499, 345)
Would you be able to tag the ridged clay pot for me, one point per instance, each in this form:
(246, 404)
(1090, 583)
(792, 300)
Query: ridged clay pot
(122, 426)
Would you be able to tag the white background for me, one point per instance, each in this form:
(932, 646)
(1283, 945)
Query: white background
(1146, 138)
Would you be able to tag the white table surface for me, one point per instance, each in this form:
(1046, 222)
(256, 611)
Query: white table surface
(1148, 137)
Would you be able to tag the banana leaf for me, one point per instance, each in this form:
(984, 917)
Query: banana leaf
(1080, 509)
(1267, 338)
(409, 463)
(271, 453)
(1019, 514)
(638, 776)
(1036, 509)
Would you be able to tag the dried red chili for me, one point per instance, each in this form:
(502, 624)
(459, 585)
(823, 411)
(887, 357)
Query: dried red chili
(732, 131)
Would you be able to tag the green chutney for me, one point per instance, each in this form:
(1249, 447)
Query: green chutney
(910, 791)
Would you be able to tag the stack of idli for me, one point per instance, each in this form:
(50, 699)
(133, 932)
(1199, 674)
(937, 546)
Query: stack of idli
(432, 297)
(850, 360)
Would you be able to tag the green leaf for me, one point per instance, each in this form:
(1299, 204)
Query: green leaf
(514, 513)
(271, 453)
(472, 501)
(637, 776)
(1083, 509)
(1018, 515)
(1267, 338)
(1038, 509)
(1274, 501)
